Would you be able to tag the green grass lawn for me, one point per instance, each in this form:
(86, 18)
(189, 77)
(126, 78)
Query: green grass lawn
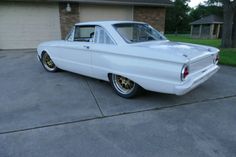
(227, 56)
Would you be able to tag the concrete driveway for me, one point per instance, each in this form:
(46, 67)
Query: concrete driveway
(65, 114)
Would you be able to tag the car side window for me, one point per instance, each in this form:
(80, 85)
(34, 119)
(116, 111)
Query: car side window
(70, 35)
(101, 36)
(84, 33)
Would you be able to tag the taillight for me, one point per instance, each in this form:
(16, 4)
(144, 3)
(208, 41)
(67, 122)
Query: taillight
(217, 59)
(184, 72)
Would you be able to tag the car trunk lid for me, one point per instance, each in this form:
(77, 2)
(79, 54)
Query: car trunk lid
(199, 56)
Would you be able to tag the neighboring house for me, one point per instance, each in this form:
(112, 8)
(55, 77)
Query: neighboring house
(207, 27)
(26, 23)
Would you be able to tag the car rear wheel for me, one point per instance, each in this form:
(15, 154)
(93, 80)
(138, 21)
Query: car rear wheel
(48, 63)
(123, 86)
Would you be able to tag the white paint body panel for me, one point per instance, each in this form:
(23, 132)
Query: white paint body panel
(25, 25)
(154, 65)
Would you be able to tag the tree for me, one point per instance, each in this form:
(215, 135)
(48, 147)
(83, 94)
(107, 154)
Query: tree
(234, 31)
(203, 10)
(228, 39)
(229, 27)
(177, 18)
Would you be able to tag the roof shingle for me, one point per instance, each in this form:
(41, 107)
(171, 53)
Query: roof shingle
(208, 20)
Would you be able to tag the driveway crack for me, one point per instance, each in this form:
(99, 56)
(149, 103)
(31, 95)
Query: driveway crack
(96, 101)
(115, 115)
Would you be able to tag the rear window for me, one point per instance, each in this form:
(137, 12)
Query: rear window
(138, 32)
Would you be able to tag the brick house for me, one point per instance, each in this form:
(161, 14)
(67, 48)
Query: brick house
(26, 23)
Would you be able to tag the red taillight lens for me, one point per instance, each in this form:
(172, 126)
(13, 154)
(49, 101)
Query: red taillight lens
(184, 73)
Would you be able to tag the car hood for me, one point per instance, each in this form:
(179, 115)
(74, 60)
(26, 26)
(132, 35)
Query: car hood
(190, 51)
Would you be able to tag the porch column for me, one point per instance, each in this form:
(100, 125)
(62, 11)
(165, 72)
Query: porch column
(212, 31)
(218, 31)
(200, 31)
(191, 33)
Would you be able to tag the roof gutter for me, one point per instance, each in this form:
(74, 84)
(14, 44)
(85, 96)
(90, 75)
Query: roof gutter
(119, 3)
(98, 2)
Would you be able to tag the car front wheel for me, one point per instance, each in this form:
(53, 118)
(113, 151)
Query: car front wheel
(123, 86)
(48, 63)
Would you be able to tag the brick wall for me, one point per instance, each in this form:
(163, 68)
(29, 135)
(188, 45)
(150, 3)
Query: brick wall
(68, 19)
(154, 16)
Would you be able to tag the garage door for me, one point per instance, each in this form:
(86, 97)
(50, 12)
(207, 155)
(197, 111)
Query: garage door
(25, 25)
(105, 12)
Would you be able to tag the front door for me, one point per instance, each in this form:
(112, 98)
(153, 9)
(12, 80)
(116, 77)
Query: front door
(75, 54)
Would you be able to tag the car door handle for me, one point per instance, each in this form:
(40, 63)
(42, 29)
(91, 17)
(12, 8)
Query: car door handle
(87, 47)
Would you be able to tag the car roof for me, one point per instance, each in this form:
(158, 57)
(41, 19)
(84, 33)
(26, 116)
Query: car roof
(106, 22)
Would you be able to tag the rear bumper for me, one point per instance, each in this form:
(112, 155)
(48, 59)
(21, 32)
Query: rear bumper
(194, 82)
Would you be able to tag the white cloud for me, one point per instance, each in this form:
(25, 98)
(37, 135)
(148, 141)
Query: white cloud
(194, 3)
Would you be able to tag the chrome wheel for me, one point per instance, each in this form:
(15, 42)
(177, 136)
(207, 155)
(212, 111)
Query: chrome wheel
(123, 85)
(48, 63)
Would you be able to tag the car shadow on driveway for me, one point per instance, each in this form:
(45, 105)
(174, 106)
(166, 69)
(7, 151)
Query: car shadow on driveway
(221, 85)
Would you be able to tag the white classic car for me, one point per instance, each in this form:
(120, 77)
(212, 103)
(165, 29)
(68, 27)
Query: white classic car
(131, 56)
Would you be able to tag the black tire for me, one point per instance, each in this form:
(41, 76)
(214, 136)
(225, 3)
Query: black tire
(47, 63)
(123, 86)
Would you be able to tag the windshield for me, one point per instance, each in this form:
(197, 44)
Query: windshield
(137, 32)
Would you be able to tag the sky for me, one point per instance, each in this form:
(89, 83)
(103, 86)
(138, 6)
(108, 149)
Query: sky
(194, 3)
